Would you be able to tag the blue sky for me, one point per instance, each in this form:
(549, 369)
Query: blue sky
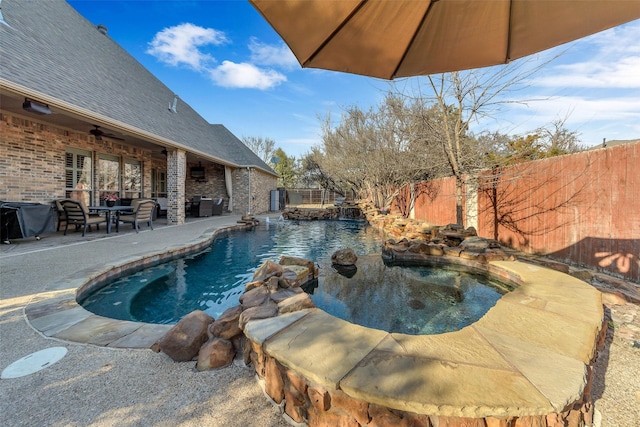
(223, 59)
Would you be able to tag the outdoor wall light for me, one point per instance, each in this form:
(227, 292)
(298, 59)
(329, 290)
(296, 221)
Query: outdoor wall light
(35, 107)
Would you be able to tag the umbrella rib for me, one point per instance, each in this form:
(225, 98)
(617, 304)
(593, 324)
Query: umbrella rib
(334, 32)
(507, 56)
(413, 38)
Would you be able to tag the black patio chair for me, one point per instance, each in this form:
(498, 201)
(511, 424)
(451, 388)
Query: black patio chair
(61, 216)
(78, 214)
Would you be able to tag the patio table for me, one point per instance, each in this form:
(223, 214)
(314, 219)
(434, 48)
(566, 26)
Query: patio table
(110, 210)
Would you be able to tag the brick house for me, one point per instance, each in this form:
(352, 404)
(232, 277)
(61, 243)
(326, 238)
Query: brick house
(79, 114)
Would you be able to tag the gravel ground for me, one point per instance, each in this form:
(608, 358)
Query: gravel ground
(97, 386)
(616, 387)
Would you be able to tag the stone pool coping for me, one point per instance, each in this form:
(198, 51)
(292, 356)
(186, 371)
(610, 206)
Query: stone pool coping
(529, 354)
(55, 313)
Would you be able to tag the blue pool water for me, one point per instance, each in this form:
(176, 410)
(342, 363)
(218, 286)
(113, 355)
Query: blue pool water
(397, 299)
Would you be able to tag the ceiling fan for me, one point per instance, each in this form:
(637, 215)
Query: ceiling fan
(99, 134)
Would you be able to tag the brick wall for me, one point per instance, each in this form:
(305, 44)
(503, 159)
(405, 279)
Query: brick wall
(32, 166)
(212, 186)
(32, 158)
(260, 184)
(176, 173)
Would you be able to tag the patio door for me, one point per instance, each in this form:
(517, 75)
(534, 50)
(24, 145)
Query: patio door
(158, 183)
(132, 179)
(78, 175)
(108, 176)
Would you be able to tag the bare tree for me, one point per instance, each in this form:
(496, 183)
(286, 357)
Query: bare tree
(461, 98)
(558, 140)
(376, 152)
(311, 172)
(264, 148)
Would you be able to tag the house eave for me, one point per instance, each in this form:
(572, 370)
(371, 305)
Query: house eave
(92, 117)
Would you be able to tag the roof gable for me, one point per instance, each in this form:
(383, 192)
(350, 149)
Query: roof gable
(56, 51)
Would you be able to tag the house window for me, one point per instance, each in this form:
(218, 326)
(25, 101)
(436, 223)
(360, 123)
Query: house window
(108, 175)
(78, 175)
(132, 179)
(158, 183)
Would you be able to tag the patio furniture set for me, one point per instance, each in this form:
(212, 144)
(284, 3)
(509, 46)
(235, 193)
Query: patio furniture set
(25, 219)
(204, 206)
(76, 213)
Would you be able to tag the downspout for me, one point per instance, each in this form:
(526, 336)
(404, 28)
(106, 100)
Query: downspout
(249, 172)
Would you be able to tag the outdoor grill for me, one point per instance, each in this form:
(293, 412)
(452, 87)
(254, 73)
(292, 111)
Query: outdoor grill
(20, 220)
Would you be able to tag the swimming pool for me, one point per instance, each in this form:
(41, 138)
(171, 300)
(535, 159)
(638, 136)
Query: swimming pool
(416, 300)
(409, 300)
(212, 280)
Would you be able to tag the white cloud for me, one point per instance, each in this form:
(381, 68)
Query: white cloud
(623, 38)
(276, 56)
(580, 109)
(609, 60)
(595, 87)
(181, 45)
(620, 74)
(245, 75)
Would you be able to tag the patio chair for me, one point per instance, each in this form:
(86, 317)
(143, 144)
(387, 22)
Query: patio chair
(62, 217)
(201, 206)
(217, 207)
(143, 210)
(77, 213)
(162, 206)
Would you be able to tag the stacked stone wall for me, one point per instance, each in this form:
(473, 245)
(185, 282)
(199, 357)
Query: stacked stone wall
(306, 403)
(212, 186)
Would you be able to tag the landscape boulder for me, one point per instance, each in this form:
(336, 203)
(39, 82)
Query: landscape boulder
(215, 353)
(183, 341)
(344, 257)
(226, 326)
(266, 270)
(264, 311)
(295, 303)
(254, 297)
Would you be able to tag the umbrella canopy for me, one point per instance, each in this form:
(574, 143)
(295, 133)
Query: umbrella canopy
(389, 39)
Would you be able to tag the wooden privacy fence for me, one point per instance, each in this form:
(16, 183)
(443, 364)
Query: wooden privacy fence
(310, 196)
(583, 208)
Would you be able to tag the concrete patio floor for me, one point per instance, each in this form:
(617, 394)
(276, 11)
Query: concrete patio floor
(99, 386)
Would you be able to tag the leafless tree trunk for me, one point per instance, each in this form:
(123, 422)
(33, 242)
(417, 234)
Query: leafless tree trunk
(461, 98)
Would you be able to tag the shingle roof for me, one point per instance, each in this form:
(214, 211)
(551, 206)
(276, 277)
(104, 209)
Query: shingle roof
(49, 47)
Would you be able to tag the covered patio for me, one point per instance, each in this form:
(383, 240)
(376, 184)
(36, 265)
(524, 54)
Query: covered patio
(81, 118)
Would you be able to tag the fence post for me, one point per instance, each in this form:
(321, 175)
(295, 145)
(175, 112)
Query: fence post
(471, 201)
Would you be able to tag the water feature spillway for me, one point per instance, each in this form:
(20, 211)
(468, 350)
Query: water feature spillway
(351, 213)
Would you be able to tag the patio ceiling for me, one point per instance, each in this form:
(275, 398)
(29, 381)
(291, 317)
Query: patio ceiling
(12, 102)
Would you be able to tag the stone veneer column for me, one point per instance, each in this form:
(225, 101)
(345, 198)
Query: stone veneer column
(176, 175)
